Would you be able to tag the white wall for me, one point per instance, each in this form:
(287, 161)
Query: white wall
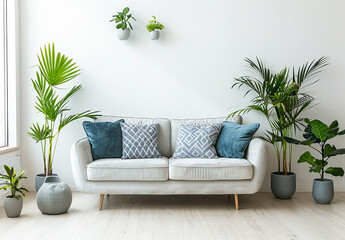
(189, 71)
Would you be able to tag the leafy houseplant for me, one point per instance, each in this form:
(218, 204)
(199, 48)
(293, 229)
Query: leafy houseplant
(280, 97)
(153, 26)
(319, 133)
(54, 70)
(13, 202)
(122, 20)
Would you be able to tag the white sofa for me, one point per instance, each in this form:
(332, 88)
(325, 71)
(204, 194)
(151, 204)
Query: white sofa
(166, 175)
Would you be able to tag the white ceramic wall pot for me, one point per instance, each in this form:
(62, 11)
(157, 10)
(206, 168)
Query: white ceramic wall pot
(123, 34)
(54, 197)
(13, 207)
(155, 35)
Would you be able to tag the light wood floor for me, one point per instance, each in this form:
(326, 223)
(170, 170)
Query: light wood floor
(261, 216)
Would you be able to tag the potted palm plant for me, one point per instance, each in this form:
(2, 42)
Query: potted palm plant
(54, 70)
(13, 202)
(318, 133)
(280, 97)
(122, 23)
(153, 26)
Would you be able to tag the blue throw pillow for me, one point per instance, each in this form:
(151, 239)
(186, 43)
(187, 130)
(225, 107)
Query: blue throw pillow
(105, 138)
(234, 139)
(197, 141)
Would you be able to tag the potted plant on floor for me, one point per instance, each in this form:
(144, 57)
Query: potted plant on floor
(14, 202)
(281, 99)
(54, 70)
(153, 26)
(122, 20)
(318, 133)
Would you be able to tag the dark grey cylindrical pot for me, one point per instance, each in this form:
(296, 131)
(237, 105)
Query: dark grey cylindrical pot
(283, 186)
(13, 207)
(39, 180)
(323, 191)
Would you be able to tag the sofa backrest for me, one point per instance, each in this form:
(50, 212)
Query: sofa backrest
(176, 124)
(164, 131)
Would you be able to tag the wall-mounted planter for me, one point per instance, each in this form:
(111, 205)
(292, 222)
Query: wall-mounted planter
(123, 34)
(155, 35)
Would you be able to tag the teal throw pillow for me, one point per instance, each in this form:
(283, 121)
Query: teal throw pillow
(105, 138)
(234, 139)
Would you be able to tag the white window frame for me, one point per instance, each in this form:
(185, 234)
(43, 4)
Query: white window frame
(12, 73)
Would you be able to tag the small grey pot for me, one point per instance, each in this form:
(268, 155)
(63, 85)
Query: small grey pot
(54, 197)
(283, 186)
(123, 34)
(13, 207)
(39, 179)
(155, 35)
(323, 191)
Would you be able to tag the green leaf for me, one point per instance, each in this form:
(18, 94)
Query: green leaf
(297, 142)
(307, 157)
(340, 151)
(319, 129)
(8, 171)
(335, 171)
(123, 26)
(118, 26)
(125, 10)
(328, 149)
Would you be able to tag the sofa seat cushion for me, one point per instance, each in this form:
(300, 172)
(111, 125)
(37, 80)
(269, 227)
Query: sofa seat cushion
(210, 169)
(117, 169)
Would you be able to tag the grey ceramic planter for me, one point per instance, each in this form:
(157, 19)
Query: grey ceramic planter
(123, 34)
(323, 191)
(54, 197)
(39, 180)
(13, 207)
(155, 35)
(283, 186)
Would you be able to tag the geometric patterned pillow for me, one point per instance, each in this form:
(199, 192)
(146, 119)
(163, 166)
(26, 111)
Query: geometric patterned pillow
(139, 141)
(197, 141)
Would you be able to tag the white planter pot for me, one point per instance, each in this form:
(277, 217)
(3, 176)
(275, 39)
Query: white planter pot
(155, 35)
(123, 34)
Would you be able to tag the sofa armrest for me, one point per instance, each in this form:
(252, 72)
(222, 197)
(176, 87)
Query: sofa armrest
(257, 155)
(81, 156)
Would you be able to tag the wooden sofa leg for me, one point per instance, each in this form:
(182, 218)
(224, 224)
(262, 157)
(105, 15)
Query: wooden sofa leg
(101, 197)
(236, 202)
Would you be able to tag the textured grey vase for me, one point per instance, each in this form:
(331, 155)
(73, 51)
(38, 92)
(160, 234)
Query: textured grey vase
(155, 35)
(123, 34)
(54, 197)
(283, 186)
(39, 179)
(323, 191)
(13, 207)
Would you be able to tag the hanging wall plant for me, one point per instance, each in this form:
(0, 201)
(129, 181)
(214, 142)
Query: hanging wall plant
(153, 26)
(122, 20)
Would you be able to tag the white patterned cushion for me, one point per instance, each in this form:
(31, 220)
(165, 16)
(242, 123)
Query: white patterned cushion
(197, 141)
(139, 141)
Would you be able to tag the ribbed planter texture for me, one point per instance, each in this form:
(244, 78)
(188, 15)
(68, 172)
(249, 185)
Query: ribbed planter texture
(13, 207)
(123, 34)
(39, 180)
(283, 186)
(54, 197)
(323, 191)
(155, 35)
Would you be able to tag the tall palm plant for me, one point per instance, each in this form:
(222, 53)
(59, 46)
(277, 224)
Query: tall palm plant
(282, 100)
(54, 70)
